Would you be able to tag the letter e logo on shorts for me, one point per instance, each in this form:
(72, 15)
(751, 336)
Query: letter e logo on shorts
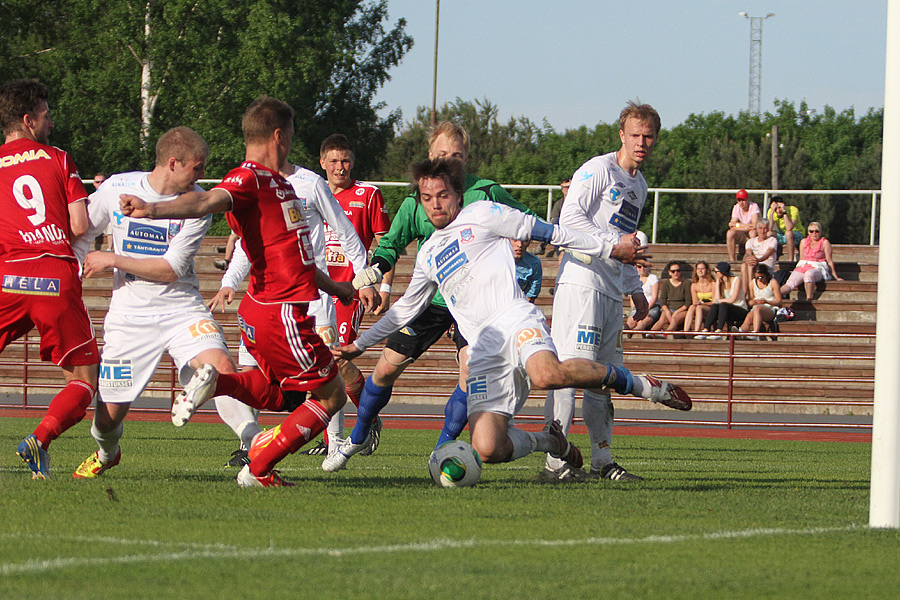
(477, 388)
(587, 338)
(115, 373)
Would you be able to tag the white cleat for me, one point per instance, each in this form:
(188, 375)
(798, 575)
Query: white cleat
(337, 458)
(199, 389)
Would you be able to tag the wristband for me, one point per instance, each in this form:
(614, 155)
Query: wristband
(385, 287)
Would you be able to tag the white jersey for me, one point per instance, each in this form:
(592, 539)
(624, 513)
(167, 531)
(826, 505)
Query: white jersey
(471, 262)
(175, 240)
(606, 201)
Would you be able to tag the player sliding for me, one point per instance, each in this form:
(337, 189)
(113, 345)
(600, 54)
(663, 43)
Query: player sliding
(469, 260)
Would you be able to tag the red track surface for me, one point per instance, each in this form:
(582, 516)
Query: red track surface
(661, 431)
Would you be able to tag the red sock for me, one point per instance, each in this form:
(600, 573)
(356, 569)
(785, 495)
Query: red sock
(302, 425)
(252, 388)
(354, 390)
(66, 409)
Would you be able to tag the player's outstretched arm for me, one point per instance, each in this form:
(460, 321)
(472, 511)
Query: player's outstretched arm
(191, 205)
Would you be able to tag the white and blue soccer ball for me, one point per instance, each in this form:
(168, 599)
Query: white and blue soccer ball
(454, 464)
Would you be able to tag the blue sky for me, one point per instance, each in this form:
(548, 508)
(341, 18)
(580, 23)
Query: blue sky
(576, 62)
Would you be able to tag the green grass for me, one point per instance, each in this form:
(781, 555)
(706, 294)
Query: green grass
(715, 519)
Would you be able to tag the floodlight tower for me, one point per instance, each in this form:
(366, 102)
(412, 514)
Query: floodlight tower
(755, 59)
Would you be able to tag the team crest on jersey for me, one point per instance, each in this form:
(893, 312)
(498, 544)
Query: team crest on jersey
(466, 235)
(174, 228)
(477, 388)
(528, 337)
(326, 370)
(32, 286)
(116, 373)
(360, 192)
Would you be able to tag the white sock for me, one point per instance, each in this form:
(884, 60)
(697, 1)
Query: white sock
(108, 442)
(523, 442)
(640, 386)
(335, 427)
(597, 409)
(559, 406)
(242, 419)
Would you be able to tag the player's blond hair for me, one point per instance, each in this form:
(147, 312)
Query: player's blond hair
(182, 144)
(451, 129)
(642, 112)
(263, 117)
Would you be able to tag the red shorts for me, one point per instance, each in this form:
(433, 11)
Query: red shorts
(46, 293)
(348, 317)
(283, 340)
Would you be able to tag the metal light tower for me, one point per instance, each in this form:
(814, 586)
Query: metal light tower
(755, 59)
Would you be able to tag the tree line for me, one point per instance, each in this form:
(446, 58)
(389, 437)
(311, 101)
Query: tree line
(123, 71)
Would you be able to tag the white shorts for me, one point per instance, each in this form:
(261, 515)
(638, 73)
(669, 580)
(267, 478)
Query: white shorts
(497, 381)
(322, 310)
(587, 324)
(135, 345)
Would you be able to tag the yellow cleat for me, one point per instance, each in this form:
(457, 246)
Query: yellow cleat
(92, 467)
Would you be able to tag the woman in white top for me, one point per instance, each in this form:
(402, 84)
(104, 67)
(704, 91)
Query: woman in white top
(765, 302)
(650, 284)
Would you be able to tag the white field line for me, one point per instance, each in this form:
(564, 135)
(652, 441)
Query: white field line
(194, 552)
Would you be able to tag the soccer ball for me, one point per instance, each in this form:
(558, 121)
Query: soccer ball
(455, 464)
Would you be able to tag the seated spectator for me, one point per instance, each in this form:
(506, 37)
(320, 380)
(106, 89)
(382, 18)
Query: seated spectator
(729, 306)
(766, 300)
(784, 221)
(815, 263)
(529, 271)
(674, 298)
(703, 285)
(650, 285)
(760, 249)
(744, 216)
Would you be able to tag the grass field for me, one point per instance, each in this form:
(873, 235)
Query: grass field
(715, 519)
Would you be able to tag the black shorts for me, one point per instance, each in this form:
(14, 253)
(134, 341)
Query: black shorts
(413, 340)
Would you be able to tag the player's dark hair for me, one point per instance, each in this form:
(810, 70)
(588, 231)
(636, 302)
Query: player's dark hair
(336, 141)
(449, 170)
(642, 112)
(181, 143)
(263, 117)
(18, 98)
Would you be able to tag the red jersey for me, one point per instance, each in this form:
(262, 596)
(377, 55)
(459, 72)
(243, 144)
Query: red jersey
(37, 184)
(269, 217)
(364, 206)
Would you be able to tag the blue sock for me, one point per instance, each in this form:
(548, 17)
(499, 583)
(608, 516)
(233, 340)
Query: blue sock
(619, 379)
(455, 416)
(371, 401)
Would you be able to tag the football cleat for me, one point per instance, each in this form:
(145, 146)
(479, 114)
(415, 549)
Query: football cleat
(247, 479)
(614, 472)
(567, 450)
(667, 393)
(199, 389)
(320, 449)
(261, 440)
(564, 474)
(238, 458)
(92, 466)
(37, 459)
(374, 438)
(337, 459)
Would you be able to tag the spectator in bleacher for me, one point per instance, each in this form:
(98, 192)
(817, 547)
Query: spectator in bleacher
(815, 263)
(764, 303)
(729, 302)
(744, 216)
(554, 214)
(529, 271)
(703, 284)
(650, 285)
(785, 224)
(674, 298)
(760, 249)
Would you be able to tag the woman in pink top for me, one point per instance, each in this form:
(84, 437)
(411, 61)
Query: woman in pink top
(815, 263)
